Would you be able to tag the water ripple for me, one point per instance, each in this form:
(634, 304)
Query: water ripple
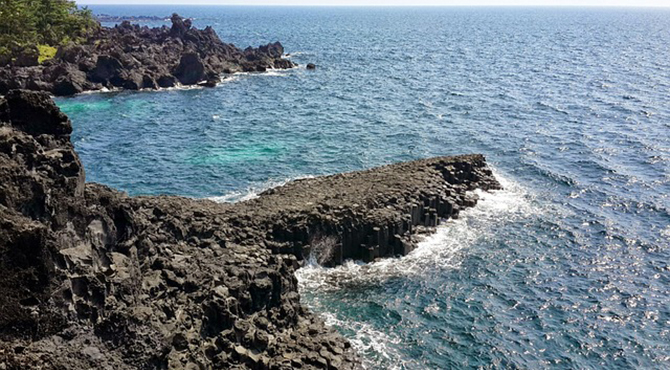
(569, 270)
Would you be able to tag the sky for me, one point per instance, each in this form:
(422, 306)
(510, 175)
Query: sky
(627, 3)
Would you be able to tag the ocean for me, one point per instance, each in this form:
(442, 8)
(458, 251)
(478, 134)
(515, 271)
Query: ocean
(568, 267)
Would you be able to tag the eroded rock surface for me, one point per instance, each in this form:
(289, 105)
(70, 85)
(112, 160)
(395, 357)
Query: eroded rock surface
(133, 57)
(92, 278)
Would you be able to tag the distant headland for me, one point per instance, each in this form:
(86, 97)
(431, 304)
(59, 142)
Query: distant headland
(132, 57)
(106, 18)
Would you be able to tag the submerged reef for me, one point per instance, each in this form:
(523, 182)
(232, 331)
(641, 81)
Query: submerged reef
(93, 278)
(132, 57)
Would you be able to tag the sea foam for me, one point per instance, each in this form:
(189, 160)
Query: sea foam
(252, 191)
(441, 250)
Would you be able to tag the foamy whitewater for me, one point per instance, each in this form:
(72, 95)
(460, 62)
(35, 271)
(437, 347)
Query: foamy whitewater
(567, 267)
(440, 251)
(253, 190)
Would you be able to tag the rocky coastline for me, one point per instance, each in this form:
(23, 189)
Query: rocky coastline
(133, 57)
(93, 278)
(107, 18)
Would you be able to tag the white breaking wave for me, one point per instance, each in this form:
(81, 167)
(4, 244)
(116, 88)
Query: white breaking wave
(252, 191)
(295, 54)
(224, 79)
(439, 251)
(369, 340)
(270, 72)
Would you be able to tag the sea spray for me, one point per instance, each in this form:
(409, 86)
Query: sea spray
(253, 190)
(321, 249)
(444, 249)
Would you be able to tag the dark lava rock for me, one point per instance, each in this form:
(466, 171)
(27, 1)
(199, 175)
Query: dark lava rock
(190, 70)
(167, 81)
(132, 57)
(27, 57)
(92, 278)
(106, 68)
(311, 66)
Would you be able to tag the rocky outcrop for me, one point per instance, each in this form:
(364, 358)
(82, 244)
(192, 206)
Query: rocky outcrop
(130, 18)
(92, 278)
(362, 215)
(133, 57)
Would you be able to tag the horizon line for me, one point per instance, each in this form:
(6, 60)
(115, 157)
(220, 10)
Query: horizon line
(628, 6)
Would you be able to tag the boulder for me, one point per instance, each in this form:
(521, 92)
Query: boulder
(274, 50)
(283, 64)
(27, 57)
(71, 82)
(65, 86)
(35, 114)
(105, 69)
(190, 70)
(70, 53)
(148, 82)
(167, 81)
(179, 25)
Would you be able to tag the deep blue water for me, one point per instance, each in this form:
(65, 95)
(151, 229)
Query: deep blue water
(568, 267)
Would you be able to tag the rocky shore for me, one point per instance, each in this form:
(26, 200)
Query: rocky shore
(132, 57)
(93, 278)
(131, 18)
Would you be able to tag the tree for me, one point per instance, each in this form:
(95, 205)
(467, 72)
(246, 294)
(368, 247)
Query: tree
(28, 23)
(17, 25)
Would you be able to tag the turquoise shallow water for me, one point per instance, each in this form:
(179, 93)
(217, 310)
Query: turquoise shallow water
(567, 267)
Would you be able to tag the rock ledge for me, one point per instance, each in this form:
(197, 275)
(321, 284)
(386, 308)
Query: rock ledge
(92, 278)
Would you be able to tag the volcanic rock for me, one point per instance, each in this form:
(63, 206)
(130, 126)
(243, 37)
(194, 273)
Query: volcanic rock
(132, 57)
(93, 278)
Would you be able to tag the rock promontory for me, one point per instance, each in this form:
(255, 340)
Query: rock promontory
(133, 57)
(93, 278)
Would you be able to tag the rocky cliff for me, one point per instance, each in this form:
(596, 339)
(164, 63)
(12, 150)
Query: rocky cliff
(92, 278)
(133, 57)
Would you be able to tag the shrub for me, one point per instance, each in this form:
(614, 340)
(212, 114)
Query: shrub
(46, 52)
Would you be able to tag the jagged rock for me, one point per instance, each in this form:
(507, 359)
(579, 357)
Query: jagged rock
(190, 70)
(106, 68)
(179, 25)
(73, 81)
(167, 81)
(70, 53)
(132, 57)
(92, 278)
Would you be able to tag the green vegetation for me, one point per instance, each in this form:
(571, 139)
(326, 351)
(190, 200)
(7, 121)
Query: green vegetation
(25, 24)
(46, 52)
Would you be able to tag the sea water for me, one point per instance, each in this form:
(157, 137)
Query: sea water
(567, 267)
